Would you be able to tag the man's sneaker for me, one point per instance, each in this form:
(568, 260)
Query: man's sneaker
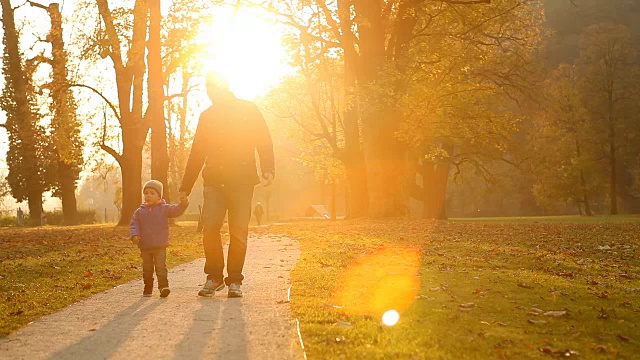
(234, 290)
(164, 292)
(210, 288)
(148, 290)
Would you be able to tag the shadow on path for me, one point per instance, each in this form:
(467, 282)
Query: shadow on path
(233, 340)
(106, 340)
(205, 321)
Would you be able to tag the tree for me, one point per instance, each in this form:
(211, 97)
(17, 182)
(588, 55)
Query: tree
(155, 110)
(378, 42)
(566, 160)
(173, 49)
(65, 127)
(608, 77)
(312, 106)
(311, 117)
(27, 144)
(122, 38)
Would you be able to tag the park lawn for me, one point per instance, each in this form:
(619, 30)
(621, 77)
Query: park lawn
(42, 270)
(482, 289)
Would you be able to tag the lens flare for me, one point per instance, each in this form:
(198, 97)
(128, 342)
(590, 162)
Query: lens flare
(384, 279)
(390, 318)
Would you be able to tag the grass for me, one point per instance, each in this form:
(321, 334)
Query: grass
(554, 219)
(480, 289)
(45, 269)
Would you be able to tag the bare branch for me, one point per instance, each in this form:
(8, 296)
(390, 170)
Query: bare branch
(109, 150)
(113, 108)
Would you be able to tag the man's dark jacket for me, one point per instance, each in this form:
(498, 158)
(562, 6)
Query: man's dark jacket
(225, 142)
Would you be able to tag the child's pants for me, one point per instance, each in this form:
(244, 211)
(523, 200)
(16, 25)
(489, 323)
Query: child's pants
(154, 259)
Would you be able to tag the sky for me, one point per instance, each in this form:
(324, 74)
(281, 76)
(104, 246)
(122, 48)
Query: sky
(245, 46)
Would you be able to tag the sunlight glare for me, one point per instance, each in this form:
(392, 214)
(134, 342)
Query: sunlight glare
(390, 318)
(245, 47)
(384, 279)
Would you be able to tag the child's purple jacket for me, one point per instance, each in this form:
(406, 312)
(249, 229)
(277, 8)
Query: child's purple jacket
(151, 223)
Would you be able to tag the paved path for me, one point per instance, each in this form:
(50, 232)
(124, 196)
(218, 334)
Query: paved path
(121, 324)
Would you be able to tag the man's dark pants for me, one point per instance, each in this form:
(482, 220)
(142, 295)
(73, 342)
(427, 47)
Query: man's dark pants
(154, 259)
(236, 199)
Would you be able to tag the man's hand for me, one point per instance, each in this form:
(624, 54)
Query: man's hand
(268, 177)
(135, 240)
(184, 199)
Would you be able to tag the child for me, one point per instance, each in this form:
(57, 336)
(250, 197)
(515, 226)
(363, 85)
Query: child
(150, 231)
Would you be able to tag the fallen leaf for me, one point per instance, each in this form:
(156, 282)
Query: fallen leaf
(556, 313)
(535, 312)
(467, 305)
(502, 324)
(600, 348)
(624, 338)
(603, 314)
(88, 273)
(526, 286)
(559, 353)
(343, 324)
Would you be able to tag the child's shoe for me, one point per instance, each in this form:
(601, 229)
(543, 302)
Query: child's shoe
(164, 292)
(148, 290)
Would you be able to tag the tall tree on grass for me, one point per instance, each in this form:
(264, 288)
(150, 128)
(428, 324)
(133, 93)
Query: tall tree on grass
(65, 127)
(565, 150)
(458, 90)
(311, 113)
(608, 74)
(122, 38)
(26, 155)
(173, 48)
(383, 44)
(155, 110)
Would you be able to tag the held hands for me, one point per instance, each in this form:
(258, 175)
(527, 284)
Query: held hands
(184, 199)
(135, 240)
(268, 177)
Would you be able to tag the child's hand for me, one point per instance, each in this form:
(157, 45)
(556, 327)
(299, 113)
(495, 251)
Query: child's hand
(184, 199)
(135, 240)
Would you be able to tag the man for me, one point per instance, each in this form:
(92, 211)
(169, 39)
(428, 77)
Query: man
(226, 138)
(20, 216)
(258, 211)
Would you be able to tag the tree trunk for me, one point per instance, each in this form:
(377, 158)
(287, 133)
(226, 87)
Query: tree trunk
(357, 196)
(583, 184)
(24, 121)
(159, 153)
(67, 179)
(613, 179)
(384, 156)
(358, 203)
(435, 177)
(129, 81)
(332, 203)
(385, 169)
(131, 167)
(64, 121)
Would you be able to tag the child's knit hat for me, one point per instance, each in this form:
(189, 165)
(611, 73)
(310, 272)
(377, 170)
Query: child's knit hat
(155, 185)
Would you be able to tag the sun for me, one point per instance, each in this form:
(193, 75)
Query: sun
(245, 46)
